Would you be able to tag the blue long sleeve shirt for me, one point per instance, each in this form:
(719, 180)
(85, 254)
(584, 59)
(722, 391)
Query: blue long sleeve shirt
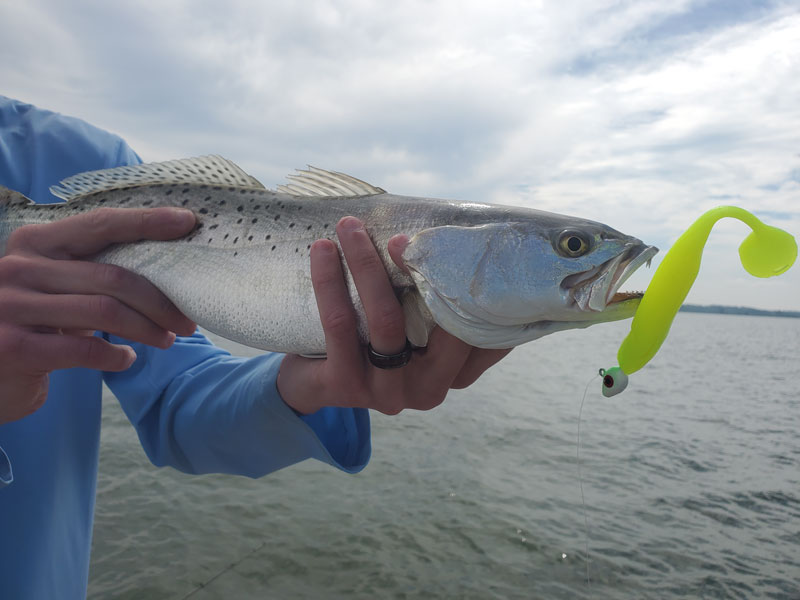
(194, 407)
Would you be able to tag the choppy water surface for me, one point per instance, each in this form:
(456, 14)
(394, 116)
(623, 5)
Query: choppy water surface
(692, 482)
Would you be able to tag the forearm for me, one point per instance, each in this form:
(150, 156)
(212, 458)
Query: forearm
(200, 410)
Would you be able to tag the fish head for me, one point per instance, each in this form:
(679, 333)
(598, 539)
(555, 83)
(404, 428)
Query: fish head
(499, 284)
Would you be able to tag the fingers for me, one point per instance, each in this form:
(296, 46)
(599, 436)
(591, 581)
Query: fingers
(396, 247)
(85, 312)
(383, 311)
(88, 233)
(46, 352)
(479, 360)
(77, 277)
(442, 361)
(333, 302)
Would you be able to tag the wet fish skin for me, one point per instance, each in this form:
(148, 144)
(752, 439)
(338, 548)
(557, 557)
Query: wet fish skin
(244, 274)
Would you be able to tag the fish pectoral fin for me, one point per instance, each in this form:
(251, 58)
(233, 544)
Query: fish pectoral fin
(419, 321)
(319, 182)
(210, 170)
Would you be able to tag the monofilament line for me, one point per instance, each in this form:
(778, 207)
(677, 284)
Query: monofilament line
(580, 480)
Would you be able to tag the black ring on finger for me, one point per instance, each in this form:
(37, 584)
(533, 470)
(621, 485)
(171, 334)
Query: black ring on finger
(390, 361)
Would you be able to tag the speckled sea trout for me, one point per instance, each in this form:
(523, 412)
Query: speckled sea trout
(494, 276)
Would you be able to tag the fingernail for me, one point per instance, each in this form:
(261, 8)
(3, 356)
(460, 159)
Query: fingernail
(350, 224)
(323, 247)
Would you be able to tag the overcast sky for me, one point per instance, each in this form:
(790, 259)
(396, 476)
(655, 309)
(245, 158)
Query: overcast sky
(640, 114)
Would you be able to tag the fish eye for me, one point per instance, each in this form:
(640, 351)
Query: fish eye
(573, 244)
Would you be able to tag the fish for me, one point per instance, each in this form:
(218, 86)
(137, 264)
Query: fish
(494, 276)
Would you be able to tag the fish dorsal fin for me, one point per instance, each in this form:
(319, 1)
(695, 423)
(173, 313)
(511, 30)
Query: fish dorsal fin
(210, 170)
(319, 182)
(11, 198)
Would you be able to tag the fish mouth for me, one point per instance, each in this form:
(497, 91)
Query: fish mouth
(597, 290)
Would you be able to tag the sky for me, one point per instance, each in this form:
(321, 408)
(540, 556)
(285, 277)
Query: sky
(639, 114)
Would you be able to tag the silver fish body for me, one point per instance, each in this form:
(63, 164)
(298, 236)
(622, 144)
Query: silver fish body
(494, 276)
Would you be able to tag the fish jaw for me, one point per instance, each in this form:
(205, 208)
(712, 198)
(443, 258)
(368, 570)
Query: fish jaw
(597, 290)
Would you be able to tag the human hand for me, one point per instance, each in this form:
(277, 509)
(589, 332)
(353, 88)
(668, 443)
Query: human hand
(346, 377)
(52, 300)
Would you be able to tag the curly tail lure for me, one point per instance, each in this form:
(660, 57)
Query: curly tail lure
(767, 251)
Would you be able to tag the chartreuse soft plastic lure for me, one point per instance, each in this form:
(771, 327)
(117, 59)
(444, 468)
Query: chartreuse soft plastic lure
(767, 251)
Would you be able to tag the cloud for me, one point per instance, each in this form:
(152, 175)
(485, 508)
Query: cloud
(641, 114)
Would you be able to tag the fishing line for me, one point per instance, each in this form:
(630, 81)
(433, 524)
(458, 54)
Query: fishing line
(225, 570)
(580, 477)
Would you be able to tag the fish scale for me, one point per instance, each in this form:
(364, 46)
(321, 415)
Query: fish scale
(244, 271)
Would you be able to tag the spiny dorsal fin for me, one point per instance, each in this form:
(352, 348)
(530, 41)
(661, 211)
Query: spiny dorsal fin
(319, 182)
(11, 198)
(210, 170)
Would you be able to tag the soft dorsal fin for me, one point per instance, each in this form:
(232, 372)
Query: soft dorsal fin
(319, 182)
(210, 170)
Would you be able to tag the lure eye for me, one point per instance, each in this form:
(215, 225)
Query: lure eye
(614, 381)
(573, 245)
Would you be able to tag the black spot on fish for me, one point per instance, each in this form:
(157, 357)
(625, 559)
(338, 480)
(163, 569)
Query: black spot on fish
(147, 203)
(239, 222)
(226, 236)
(308, 247)
(236, 254)
(308, 228)
(291, 225)
(242, 191)
(184, 191)
(277, 217)
(214, 226)
(249, 238)
(102, 200)
(268, 236)
(256, 207)
(203, 211)
(215, 215)
(185, 202)
(209, 240)
(254, 221)
(207, 198)
(221, 202)
(325, 226)
(236, 239)
(240, 209)
(273, 247)
(297, 250)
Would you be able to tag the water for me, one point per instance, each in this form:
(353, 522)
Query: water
(692, 481)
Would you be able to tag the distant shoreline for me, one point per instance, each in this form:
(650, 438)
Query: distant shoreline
(739, 310)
